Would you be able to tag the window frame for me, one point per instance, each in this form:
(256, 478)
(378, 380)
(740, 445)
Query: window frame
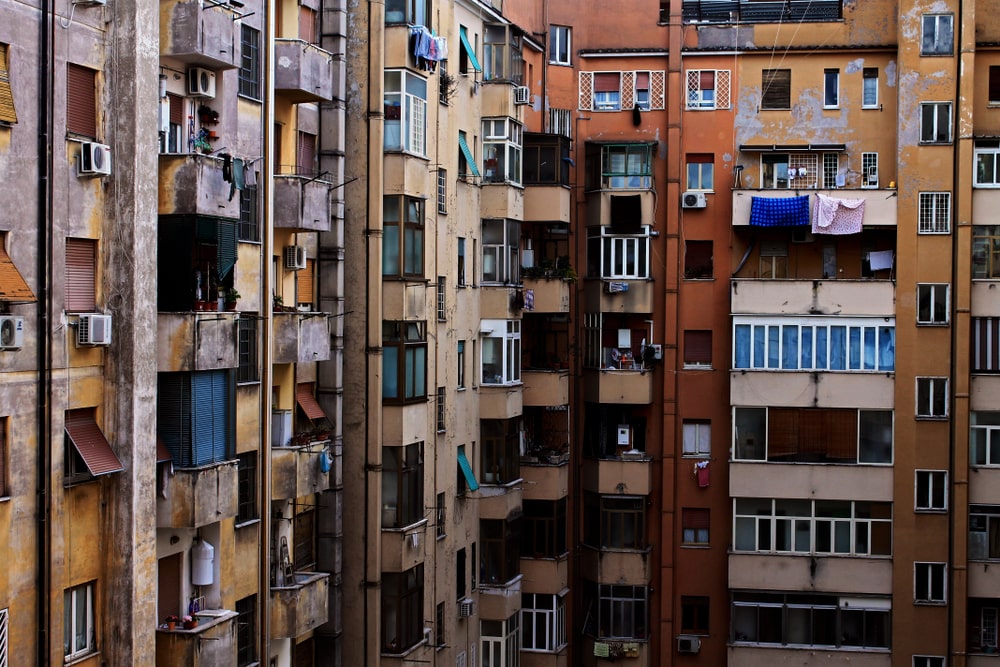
(696, 267)
(499, 552)
(696, 438)
(72, 597)
(8, 111)
(81, 275)
(694, 341)
(543, 531)
(781, 98)
(924, 575)
(247, 509)
(869, 91)
(246, 630)
(460, 361)
(695, 614)
(503, 59)
(824, 344)
(409, 12)
(986, 163)
(403, 476)
(936, 122)
(930, 490)
(81, 101)
(778, 606)
(409, 237)
(409, 340)
(988, 424)
(500, 641)
(984, 521)
(248, 368)
(700, 172)
(616, 522)
(543, 627)
(249, 74)
(503, 145)
(410, 91)
(933, 41)
(402, 597)
(560, 45)
(926, 388)
(696, 526)
(503, 336)
(189, 405)
(622, 612)
(627, 256)
(938, 310)
(702, 98)
(986, 252)
(502, 251)
(635, 171)
(500, 452)
(934, 213)
(831, 88)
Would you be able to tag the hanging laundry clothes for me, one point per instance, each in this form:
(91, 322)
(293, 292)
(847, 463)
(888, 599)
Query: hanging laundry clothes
(237, 182)
(427, 48)
(832, 215)
(227, 167)
(249, 175)
(880, 259)
(779, 211)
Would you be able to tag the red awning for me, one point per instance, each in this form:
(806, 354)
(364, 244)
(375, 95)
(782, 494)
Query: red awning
(13, 288)
(308, 403)
(92, 446)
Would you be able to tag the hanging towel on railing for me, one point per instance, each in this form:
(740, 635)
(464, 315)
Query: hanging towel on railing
(837, 216)
(779, 211)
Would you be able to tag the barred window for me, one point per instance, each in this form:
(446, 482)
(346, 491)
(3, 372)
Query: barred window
(249, 363)
(249, 75)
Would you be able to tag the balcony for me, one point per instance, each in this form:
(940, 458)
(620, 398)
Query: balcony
(196, 341)
(192, 184)
(500, 502)
(498, 101)
(631, 208)
(776, 572)
(301, 203)
(403, 548)
(301, 337)
(625, 567)
(880, 205)
(199, 33)
(500, 302)
(545, 480)
(618, 386)
(755, 11)
(769, 656)
(547, 203)
(499, 601)
(300, 607)
(613, 476)
(812, 389)
(212, 643)
(870, 298)
(549, 295)
(606, 652)
(303, 72)
(829, 481)
(619, 296)
(199, 496)
(500, 401)
(545, 388)
(545, 575)
(501, 200)
(985, 297)
(295, 471)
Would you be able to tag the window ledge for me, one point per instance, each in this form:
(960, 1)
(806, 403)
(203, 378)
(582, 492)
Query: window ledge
(409, 528)
(82, 658)
(695, 545)
(247, 523)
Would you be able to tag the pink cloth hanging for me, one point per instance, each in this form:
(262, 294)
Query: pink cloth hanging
(837, 216)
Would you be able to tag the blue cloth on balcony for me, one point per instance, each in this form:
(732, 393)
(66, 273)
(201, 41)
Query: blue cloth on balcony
(779, 211)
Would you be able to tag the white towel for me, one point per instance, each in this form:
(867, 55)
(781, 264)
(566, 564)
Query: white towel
(880, 259)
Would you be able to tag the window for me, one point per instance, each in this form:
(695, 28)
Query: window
(607, 91)
(697, 349)
(501, 252)
(546, 159)
(439, 630)
(501, 456)
(500, 559)
(249, 75)
(467, 167)
(544, 528)
(440, 408)
(869, 88)
(984, 532)
(929, 583)
(81, 101)
(304, 538)
(938, 35)
(812, 435)
(616, 91)
(466, 478)
(174, 107)
(932, 304)
(623, 167)
(87, 453)
(249, 361)
(982, 624)
(543, 622)
(79, 628)
(932, 397)
(246, 508)
(994, 85)
(500, 641)
(402, 609)
(986, 251)
(928, 661)
(195, 416)
(502, 56)
(618, 256)
(931, 490)
(708, 89)
(869, 170)
(798, 170)
(694, 614)
(621, 612)
(831, 88)
(935, 122)
(812, 527)
(934, 213)
(442, 191)
(501, 351)
(249, 229)
(831, 169)
(403, 237)
(700, 170)
(985, 438)
(460, 376)
(405, 112)
(776, 89)
(404, 361)
(773, 259)
(246, 630)
(560, 41)
(614, 522)
(987, 153)
(698, 260)
(460, 582)
(402, 485)
(821, 344)
(460, 273)
(695, 526)
(502, 141)
(697, 437)
(412, 12)
(441, 528)
(81, 275)
(7, 115)
(807, 619)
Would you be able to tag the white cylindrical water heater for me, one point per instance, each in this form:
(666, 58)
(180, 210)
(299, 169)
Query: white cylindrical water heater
(202, 563)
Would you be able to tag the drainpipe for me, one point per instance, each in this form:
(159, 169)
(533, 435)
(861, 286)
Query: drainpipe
(46, 84)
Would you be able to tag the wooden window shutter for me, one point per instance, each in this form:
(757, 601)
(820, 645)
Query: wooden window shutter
(586, 91)
(176, 109)
(7, 112)
(306, 157)
(695, 518)
(657, 89)
(698, 347)
(626, 90)
(304, 283)
(607, 82)
(81, 275)
(307, 24)
(722, 88)
(81, 100)
(776, 89)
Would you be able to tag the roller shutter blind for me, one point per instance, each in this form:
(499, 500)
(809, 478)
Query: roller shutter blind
(81, 100)
(81, 270)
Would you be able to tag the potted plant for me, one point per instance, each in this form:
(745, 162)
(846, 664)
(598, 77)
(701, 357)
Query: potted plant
(232, 296)
(172, 621)
(278, 305)
(190, 622)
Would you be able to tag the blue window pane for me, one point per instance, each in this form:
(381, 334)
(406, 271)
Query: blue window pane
(886, 348)
(806, 346)
(821, 353)
(854, 348)
(790, 351)
(773, 347)
(758, 346)
(741, 356)
(838, 348)
(390, 366)
(869, 357)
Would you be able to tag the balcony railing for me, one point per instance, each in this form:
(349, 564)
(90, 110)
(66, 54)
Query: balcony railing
(303, 72)
(753, 11)
(301, 203)
(300, 605)
(193, 184)
(301, 337)
(200, 33)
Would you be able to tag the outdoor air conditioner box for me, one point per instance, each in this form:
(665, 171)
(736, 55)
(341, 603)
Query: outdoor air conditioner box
(466, 608)
(11, 332)
(295, 257)
(95, 159)
(201, 82)
(688, 644)
(693, 200)
(94, 329)
(522, 95)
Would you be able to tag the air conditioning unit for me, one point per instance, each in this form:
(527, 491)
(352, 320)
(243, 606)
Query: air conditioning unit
(295, 257)
(688, 644)
(11, 332)
(693, 200)
(802, 235)
(466, 608)
(201, 82)
(94, 329)
(95, 159)
(522, 95)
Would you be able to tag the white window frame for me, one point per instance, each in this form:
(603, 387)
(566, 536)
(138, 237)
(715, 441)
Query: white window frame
(708, 99)
(696, 438)
(77, 595)
(928, 484)
(701, 176)
(623, 611)
(619, 248)
(984, 526)
(624, 98)
(933, 291)
(560, 45)
(925, 390)
(503, 141)
(504, 255)
(989, 439)
(508, 335)
(502, 650)
(869, 88)
(986, 168)
(929, 661)
(831, 88)
(4, 634)
(551, 620)
(932, 37)
(934, 213)
(925, 573)
(929, 132)
(412, 113)
(869, 169)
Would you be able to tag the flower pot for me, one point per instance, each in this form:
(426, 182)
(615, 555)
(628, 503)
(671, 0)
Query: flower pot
(171, 625)
(231, 306)
(190, 625)
(199, 305)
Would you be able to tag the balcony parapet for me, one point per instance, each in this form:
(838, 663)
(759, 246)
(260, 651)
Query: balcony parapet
(303, 72)
(880, 204)
(300, 605)
(301, 203)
